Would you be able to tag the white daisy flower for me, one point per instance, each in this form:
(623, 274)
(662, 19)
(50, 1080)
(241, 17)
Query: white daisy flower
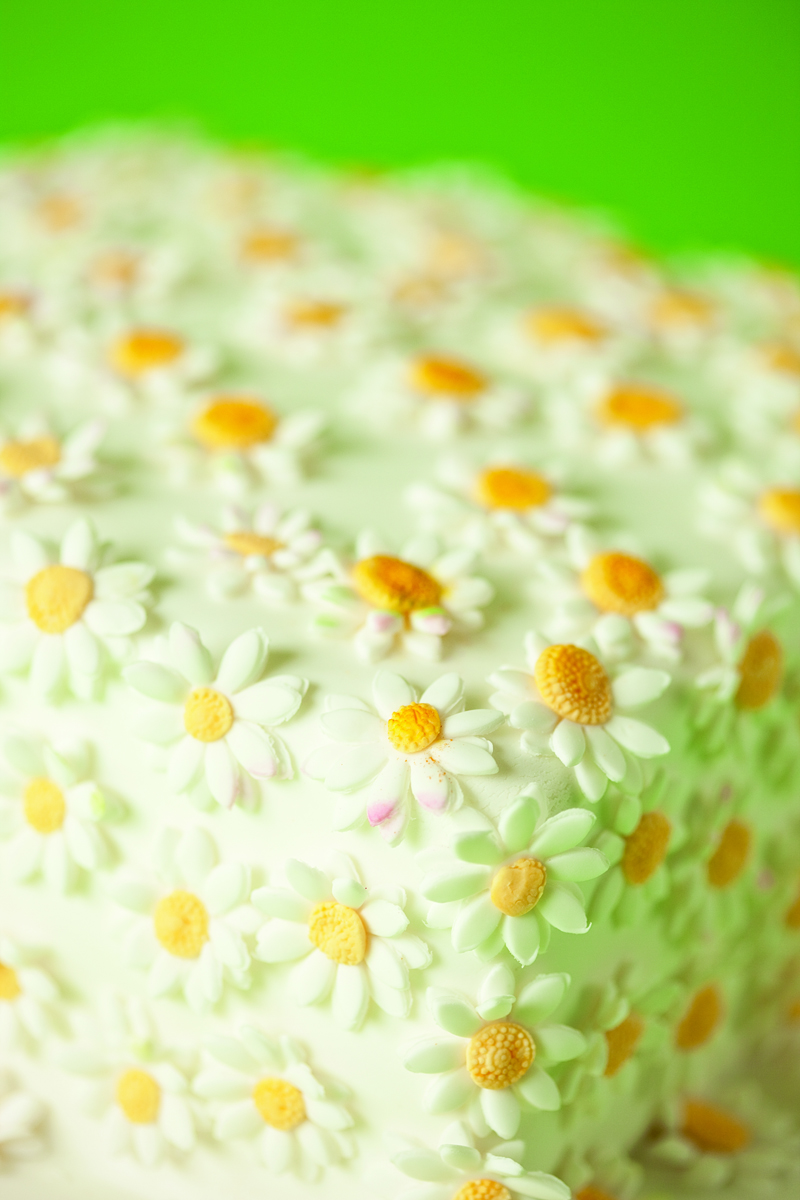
(28, 995)
(269, 551)
(757, 517)
(38, 466)
(22, 1117)
(265, 1086)
(411, 602)
(406, 745)
(183, 925)
(569, 706)
(51, 811)
(217, 725)
(505, 887)
(65, 613)
(490, 1065)
(560, 343)
(600, 1172)
(353, 942)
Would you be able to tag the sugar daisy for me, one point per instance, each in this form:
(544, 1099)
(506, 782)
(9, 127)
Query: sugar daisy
(156, 361)
(37, 466)
(757, 517)
(28, 996)
(402, 747)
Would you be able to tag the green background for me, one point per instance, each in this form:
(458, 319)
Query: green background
(681, 117)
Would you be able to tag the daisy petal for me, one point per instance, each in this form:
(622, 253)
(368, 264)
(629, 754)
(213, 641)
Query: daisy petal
(568, 743)
(222, 773)
(464, 758)
(189, 654)
(156, 682)
(82, 649)
(353, 725)
(79, 547)
(577, 865)
(307, 881)
(185, 764)
(390, 692)
(114, 618)
(457, 882)
(429, 784)
(606, 753)
(562, 832)
(243, 662)
(446, 694)
(562, 909)
(522, 937)
(475, 722)
(453, 1013)
(267, 703)
(253, 749)
(350, 996)
(225, 888)
(433, 1056)
(282, 941)
(560, 1043)
(637, 737)
(449, 1092)
(638, 685)
(539, 1090)
(476, 921)
(539, 998)
(501, 1110)
(313, 979)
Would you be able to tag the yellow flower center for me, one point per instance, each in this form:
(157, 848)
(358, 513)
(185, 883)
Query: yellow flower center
(18, 458)
(499, 1054)
(144, 350)
(637, 407)
(57, 596)
(180, 921)
(115, 267)
(783, 357)
(269, 245)
(139, 1096)
(574, 684)
(9, 983)
(780, 509)
(646, 848)
(701, 1018)
(730, 857)
(618, 583)
(760, 671)
(338, 932)
(591, 1192)
(712, 1129)
(510, 487)
(207, 715)
(622, 1041)
(280, 1104)
(59, 212)
(315, 314)
(13, 304)
(483, 1189)
(792, 918)
(446, 377)
(555, 325)
(44, 805)
(246, 543)
(414, 727)
(518, 887)
(390, 583)
(234, 423)
(681, 308)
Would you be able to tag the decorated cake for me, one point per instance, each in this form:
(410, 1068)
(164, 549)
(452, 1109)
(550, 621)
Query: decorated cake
(399, 685)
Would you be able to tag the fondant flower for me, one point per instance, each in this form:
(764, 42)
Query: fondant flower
(264, 1086)
(409, 745)
(28, 995)
(22, 1117)
(506, 887)
(182, 923)
(354, 943)
(630, 422)
(37, 466)
(217, 724)
(568, 706)
(757, 516)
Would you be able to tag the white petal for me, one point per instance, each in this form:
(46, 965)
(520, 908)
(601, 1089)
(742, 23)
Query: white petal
(79, 546)
(560, 1043)
(383, 962)
(568, 743)
(238, 1120)
(517, 823)
(189, 654)
(313, 979)
(457, 881)
(267, 703)
(384, 919)
(638, 685)
(539, 1090)
(157, 682)
(606, 753)
(229, 946)
(577, 865)
(176, 1122)
(122, 580)
(278, 902)
(637, 737)
(476, 921)
(225, 888)
(115, 618)
(562, 909)
(185, 764)
(474, 722)
(353, 725)
(282, 941)
(462, 757)
(562, 832)
(243, 662)
(449, 1092)
(356, 767)
(83, 652)
(522, 936)
(308, 881)
(196, 856)
(390, 692)
(47, 667)
(350, 996)
(446, 694)
(222, 773)
(433, 1056)
(253, 749)
(429, 783)
(425, 1165)
(453, 1013)
(539, 998)
(501, 1110)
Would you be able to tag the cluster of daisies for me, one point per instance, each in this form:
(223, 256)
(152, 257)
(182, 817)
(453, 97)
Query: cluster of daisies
(165, 297)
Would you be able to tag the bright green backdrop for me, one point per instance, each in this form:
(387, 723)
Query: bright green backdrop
(680, 116)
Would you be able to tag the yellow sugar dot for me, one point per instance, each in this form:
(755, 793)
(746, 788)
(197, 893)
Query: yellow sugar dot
(144, 350)
(518, 887)
(622, 1041)
(730, 857)
(760, 671)
(139, 1096)
(9, 983)
(552, 326)
(783, 357)
(420, 291)
(676, 308)
(207, 715)
(713, 1130)
(315, 314)
(280, 1104)
(792, 917)
(638, 407)
(512, 487)
(234, 423)
(269, 245)
(574, 684)
(701, 1018)
(180, 921)
(446, 377)
(44, 805)
(646, 848)
(18, 458)
(246, 543)
(592, 1192)
(780, 509)
(58, 213)
(483, 1189)
(499, 1054)
(454, 256)
(116, 268)
(13, 304)
(414, 727)
(619, 583)
(57, 596)
(400, 587)
(338, 932)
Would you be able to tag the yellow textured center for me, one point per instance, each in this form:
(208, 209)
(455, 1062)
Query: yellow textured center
(280, 1104)
(207, 715)
(681, 308)
(13, 304)
(115, 268)
(518, 887)
(499, 1054)
(414, 727)
(574, 684)
(483, 1189)
(555, 325)
(9, 983)
(18, 458)
(760, 671)
(622, 1041)
(592, 1192)
(246, 543)
(181, 924)
(144, 350)
(782, 356)
(446, 377)
(315, 314)
(269, 245)
(390, 583)
(338, 932)
(230, 423)
(139, 1096)
(44, 805)
(57, 596)
(59, 212)
(712, 1129)
(701, 1018)
(639, 408)
(618, 583)
(780, 509)
(646, 848)
(730, 857)
(510, 487)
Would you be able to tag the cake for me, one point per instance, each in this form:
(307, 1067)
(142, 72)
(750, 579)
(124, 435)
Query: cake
(399, 688)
